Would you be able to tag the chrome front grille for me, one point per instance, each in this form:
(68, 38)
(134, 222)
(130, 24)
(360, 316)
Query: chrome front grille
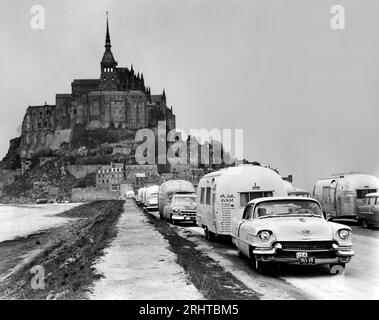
(306, 245)
(188, 212)
(316, 254)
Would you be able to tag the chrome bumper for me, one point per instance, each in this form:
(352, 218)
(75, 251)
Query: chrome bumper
(342, 255)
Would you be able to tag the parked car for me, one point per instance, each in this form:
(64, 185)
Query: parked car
(291, 230)
(168, 188)
(368, 213)
(181, 208)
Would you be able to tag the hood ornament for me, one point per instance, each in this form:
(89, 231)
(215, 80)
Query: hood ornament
(305, 232)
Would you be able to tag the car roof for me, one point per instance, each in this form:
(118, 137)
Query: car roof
(290, 198)
(374, 194)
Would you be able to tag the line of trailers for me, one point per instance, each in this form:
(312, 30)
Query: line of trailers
(251, 205)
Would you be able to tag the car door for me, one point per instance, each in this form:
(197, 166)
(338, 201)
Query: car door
(375, 212)
(365, 209)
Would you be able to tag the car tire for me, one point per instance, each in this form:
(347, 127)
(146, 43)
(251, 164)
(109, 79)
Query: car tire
(336, 269)
(209, 235)
(365, 225)
(262, 267)
(240, 254)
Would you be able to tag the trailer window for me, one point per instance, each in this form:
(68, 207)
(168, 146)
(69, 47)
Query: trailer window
(208, 199)
(245, 197)
(202, 196)
(326, 193)
(362, 192)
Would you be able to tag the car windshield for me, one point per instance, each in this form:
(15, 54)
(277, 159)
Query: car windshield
(187, 199)
(281, 208)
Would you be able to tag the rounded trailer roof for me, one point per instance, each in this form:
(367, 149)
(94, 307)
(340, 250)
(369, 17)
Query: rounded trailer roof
(176, 186)
(358, 180)
(247, 178)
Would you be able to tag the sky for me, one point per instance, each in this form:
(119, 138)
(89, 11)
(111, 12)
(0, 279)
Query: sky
(304, 94)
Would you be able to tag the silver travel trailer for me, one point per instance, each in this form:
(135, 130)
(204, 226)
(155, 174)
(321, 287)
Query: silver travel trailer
(139, 195)
(341, 195)
(150, 198)
(223, 195)
(168, 188)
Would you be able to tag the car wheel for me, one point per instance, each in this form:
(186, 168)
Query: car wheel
(240, 254)
(209, 235)
(337, 268)
(365, 224)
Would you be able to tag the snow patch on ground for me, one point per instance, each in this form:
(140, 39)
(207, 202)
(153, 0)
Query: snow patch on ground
(22, 220)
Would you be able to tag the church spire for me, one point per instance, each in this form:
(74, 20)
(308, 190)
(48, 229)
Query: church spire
(107, 36)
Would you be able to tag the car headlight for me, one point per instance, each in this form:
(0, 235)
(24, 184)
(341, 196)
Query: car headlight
(344, 234)
(175, 210)
(264, 235)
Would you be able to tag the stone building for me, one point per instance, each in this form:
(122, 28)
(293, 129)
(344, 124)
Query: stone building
(110, 177)
(119, 100)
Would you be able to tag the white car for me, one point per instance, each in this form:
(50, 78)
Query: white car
(291, 230)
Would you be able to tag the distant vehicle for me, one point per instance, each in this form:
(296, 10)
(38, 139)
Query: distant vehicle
(341, 196)
(299, 194)
(181, 207)
(223, 195)
(41, 201)
(139, 195)
(150, 198)
(368, 213)
(130, 194)
(289, 186)
(168, 188)
(291, 230)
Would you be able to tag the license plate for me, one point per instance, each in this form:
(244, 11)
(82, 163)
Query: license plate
(301, 255)
(307, 260)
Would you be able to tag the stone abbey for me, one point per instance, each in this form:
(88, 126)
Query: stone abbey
(118, 101)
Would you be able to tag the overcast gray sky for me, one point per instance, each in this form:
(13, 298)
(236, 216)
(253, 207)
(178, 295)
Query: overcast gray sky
(306, 96)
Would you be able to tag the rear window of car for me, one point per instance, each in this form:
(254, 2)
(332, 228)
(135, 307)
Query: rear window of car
(361, 193)
(372, 200)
